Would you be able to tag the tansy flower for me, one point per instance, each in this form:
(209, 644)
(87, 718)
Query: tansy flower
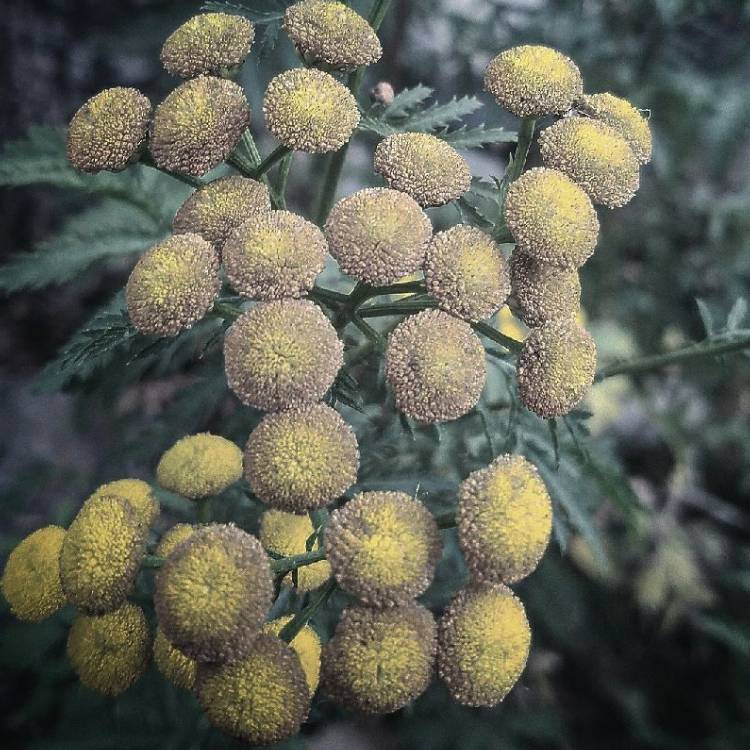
(108, 131)
(174, 536)
(306, 645)
(262, 698)
(331, 33)
(173, 285)
(555, 368)
(309, 110)
(31, 579)
(383, 547)
(378, 235)
(213, 593)
(200, 465)
(551, 218)
(282, 354)
(286, 534)
(379, 660)
(274, 255)
(174, 666)
(435, 365)
(595, 156)
(198, 125)
(504, 520)
(531, 81)
(427, 168)
(210, 43)
(484, 641)
(110, 652)
(137, 494)
(466, 273)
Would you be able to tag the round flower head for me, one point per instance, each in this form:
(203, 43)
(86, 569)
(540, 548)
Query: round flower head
(309, 110)
(379, 660)
(484, 641)
(531, 81)
(274, 255)
(173, 285)
(287, 534)
(383, 547)
(217, 208)
(110, 652)
(556, 368)
(210, 43)
(213, 593)
(430, 170)
(260, 699)
(504, 520)
(31, 579)
(542, 291)
(466, 273)
(551, 218)
(306, 645)
(301, 459)
(175, 667)
(281, 354)
(108, 131)
(174, 536)
(137, 494)
(624, 118)
(435, 366)
(101, 554)
(200, 465)
(595, 156)
(196, 127)
(331, 33)
(378, 235)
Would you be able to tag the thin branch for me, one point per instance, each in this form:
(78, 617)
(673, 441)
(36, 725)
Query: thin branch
(499, 338)
(290, 630)
(287, 564)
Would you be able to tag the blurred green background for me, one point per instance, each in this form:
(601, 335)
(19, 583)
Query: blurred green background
(641, 628)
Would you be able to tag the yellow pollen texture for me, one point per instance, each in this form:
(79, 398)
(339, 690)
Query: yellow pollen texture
(306, 645)
(137, 494)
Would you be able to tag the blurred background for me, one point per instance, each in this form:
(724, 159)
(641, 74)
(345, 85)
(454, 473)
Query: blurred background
(641, 628)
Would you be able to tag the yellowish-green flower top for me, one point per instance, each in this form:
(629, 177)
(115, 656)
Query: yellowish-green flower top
(379, 660)
(213, 593)
(101, 554)
(624, 118)
(542, 291)
(174, 666)
(301, 459)
(531, 81)
(287, 534)
(262, 698)
(108, 131)
(378, 235)
(306, 645)
(31, 578)
(551, 218)
(210, 43)
(556, 368)
(196, 127)
(435, 366)
(282, 354)
(137, 494)
(383, 547)
(466, 273)
(173, 285)
(217, 208)
(309, 110)
(504, 520)
(427, 168)
(200, 465)
(331, 33)
(110, 652)
(595, 156)
(174, 536)
(274, 255)
(484, 641)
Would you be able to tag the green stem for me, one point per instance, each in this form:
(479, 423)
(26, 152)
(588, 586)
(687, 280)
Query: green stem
(656, 361)
(446, 520)
(499, 338)
(290, 630)
(368, 330)
(203, 512)
(152, 561)
(286, 165)
(194, 182)
(525, 137)
(328, 297)
(405, 308)
(276, 155)
(226, 310)
(287, 564)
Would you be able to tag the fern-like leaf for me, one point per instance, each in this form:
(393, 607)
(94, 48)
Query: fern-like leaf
(478, 137)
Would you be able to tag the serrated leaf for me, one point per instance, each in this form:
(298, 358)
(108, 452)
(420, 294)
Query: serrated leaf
(262, 13)
(407, 100)
(375, 125)
(477, 137)
(439, 116)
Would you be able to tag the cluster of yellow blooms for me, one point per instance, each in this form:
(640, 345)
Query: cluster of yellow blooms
(215, 586)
